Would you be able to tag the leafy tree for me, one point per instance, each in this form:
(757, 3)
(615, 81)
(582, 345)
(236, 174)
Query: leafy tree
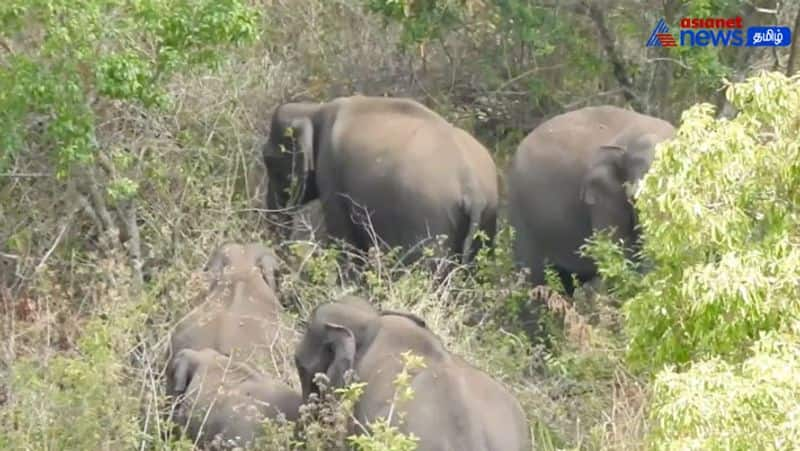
(69, 66)
(719, 212)
(720, 405)
(721, 226)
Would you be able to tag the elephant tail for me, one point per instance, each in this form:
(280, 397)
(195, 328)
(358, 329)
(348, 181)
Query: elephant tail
(475, 211)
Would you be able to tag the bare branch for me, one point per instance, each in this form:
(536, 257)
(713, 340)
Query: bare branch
(87, 208)
(671, 60)
(790, 69)
(98, 203)
(7, 47)
(54, 245)
(133, 245)
(26, 174)
(526, 74)
(583, 100)
(608, 42)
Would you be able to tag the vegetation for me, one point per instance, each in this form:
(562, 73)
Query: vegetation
(130, 133)
(720, 306)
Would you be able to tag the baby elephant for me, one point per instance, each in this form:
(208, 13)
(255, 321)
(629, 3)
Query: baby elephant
(237, 323)
(240, 315)
(223, 403)
(455, 406)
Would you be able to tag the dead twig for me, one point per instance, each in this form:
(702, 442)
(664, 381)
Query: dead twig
(53, 246)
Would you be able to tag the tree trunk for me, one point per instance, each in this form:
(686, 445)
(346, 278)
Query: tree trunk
(790, 69)
(608, 41)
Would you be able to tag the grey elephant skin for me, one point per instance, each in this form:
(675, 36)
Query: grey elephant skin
(236, 324)
(573, 175)
(224, 403)
(455, 406)
(388, 165)
(240, 315)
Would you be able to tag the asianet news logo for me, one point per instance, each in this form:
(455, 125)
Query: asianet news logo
(698, 32)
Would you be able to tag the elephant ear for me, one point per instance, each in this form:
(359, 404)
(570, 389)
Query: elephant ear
(304, 132)
(216, 265)
(343, 347)
(268, 263)
(183, 368)
(637, 160)
(416, 319)
(603, 191)
(604, 175)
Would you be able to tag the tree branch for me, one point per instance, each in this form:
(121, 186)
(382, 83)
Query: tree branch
(607, 41)
(134, 244)
(98, 205)
(790, 69)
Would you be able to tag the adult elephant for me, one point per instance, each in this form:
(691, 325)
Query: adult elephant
(240, 314)
(574, 174)
(223, 403)
(385, 165)
(455, 406)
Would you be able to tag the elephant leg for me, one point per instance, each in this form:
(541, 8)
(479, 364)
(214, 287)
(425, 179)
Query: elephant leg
(528, 256)
(337, 219)
(566, 280)
(340, 229)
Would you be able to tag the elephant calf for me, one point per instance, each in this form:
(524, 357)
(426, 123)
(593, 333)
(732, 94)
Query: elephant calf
(575, 174)
(240, 315)
(238, 322)
(224, 403)
(455, 406)
(387, 170)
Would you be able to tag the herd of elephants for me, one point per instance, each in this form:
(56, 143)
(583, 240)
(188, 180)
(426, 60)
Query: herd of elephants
(392, 170)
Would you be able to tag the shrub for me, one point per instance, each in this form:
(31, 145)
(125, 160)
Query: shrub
(720, 211)
(117, 49)
(719, 405)
(720, 218)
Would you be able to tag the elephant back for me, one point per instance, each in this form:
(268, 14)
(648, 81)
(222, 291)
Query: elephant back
(227, 401)
(457, 406)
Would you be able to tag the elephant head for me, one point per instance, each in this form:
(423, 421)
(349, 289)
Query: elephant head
(289, 155)
(234, 260)
(336, 335)
(612, 181)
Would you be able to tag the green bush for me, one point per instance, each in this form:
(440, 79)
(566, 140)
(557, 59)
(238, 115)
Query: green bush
(720, 211)
(117, 49)
(718, 405)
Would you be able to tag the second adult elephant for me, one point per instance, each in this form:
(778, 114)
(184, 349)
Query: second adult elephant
(455, 406)
(575, 174)
(388, 165)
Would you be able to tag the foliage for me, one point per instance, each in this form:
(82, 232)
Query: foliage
(325, 417)
(151, 114)
(86, 389)
(75, 401)
(720, 219)
(719, 307)
(719, 405)
(421, 20)
(118, 49)
(383, 435)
